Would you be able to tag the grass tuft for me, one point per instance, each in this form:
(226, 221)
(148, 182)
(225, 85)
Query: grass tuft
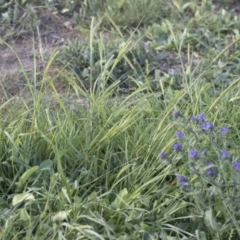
(136, 138)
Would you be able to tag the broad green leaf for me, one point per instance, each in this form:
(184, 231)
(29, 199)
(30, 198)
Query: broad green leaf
(65, 193)
(124, 237)
(3, 204)
(150, 236)
(200, 235)
(22, 197)
(94, 234)
(24, 215)
(46, 165)
(60, 216)
(210, 220)
(120, 198)
(26, 176)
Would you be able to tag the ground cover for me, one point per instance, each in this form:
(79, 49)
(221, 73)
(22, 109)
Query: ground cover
(119, 120)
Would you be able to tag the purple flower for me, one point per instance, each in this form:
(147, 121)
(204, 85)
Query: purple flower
(201, 117)
(176, 113)
(194, 154)
(204, 152)
(210, 171)
(179, 135)
(184, 184)
(162, 155)
(183, 181)
(177, 147)
(225, 154)
(236, 165)
(192, 118)
(182, 178)
(224, 130)
(207, 126)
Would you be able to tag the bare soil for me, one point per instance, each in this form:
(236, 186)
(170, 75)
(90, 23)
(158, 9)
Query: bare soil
(33, 52)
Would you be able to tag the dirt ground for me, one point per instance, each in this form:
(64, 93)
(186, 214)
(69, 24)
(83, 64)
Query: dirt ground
(53, 33)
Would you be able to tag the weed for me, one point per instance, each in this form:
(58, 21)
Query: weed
(160, 161)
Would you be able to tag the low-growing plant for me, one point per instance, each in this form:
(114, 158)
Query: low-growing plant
(131, 66)
(85, 162)
(207, 171)
(109, 65)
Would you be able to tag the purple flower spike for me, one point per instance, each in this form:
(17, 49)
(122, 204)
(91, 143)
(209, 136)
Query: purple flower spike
(204, 152)
(162, 155)
(224, 130)
(194, 154)
(179, 135)
(184, 184)
(177, 147)
(210, 126)
(207, 126)
(176, 113)
(183, 181)
(225, 154)
(192, 118)
(236, 165)
(182, 178)
(210, 171)
(201, 117)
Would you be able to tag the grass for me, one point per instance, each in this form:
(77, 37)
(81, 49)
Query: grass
(85, 163)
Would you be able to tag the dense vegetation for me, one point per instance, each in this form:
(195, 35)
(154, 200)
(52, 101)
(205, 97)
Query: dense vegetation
(143, 142)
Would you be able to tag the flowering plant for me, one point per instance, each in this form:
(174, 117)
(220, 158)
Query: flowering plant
(206, 170)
